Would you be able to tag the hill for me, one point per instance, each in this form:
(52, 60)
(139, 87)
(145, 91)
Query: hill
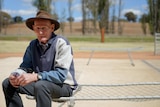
(128, 29)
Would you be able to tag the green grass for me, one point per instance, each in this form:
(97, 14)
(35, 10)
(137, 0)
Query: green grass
(17, 38)
(13, 46)
(18, 44)
(112, 38)
(88, 38)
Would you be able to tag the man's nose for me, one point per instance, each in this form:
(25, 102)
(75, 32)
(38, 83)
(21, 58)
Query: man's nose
(40, 32)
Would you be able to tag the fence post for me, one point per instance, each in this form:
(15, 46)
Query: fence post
(157, 44)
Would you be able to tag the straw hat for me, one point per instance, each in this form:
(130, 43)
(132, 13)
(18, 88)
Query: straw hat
(42, 15)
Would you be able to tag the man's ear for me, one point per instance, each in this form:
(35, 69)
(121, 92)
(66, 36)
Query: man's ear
(53, 27)
(33, 27)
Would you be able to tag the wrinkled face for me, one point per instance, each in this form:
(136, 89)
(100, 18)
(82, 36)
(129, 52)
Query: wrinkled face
(43, 30)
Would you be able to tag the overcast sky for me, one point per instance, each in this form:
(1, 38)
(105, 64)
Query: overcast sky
(25, 9)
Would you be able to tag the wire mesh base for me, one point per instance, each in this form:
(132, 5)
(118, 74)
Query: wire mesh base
(130, 92)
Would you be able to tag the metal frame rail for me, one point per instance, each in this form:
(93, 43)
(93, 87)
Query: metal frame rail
(127, 92)
(128, 50)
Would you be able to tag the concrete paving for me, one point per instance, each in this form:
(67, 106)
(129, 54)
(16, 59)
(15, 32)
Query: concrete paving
(99, 71)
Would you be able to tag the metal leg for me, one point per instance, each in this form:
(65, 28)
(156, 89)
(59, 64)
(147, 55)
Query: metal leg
(92, 52)
(71, 103)
(60, 105)
(130, 57)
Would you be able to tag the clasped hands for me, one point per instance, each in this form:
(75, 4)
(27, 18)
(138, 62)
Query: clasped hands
(20, 78)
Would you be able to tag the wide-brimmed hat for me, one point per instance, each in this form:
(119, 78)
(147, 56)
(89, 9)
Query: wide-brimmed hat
(42, 15)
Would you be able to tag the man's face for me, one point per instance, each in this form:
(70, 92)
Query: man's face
(43, 30)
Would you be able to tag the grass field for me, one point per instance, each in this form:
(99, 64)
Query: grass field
(20, 46)
(88, 38)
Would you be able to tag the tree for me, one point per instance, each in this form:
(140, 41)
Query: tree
(17, 19)
(120, 29)
(144, 20)
(130, 16)
(154, 15)
(70, 19)
(86, 16)
(1, 1)
(157, 15)
(54, 15)
(5, 19)
(83, 16)
(92, 6)
(113, 17)
(42, 5)
(62, 19)
(103, 13)
(151, 16)
(46, 6)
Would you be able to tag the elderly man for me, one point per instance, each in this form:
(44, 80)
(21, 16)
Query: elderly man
(47, 69)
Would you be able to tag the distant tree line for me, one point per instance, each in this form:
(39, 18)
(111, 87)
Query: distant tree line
(93, 12)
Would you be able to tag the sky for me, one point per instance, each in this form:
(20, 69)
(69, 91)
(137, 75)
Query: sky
(25, 9)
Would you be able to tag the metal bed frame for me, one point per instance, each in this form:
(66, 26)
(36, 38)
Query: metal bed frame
(128, 92)
(128, 50)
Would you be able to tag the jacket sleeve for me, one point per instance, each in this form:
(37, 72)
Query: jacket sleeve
(27, 59)
(63, 60)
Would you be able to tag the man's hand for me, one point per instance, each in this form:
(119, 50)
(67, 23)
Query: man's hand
(22, 79)
(12, 80)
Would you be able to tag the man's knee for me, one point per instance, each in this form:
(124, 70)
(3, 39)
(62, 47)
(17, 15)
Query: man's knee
(40, 85)
(5, 82)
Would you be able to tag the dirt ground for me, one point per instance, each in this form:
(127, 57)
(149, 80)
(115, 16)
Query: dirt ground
(116, 69)
(100, 55)
(99, 71)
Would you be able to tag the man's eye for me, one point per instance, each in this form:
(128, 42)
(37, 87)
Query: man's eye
(37, 28)
(44, 28)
